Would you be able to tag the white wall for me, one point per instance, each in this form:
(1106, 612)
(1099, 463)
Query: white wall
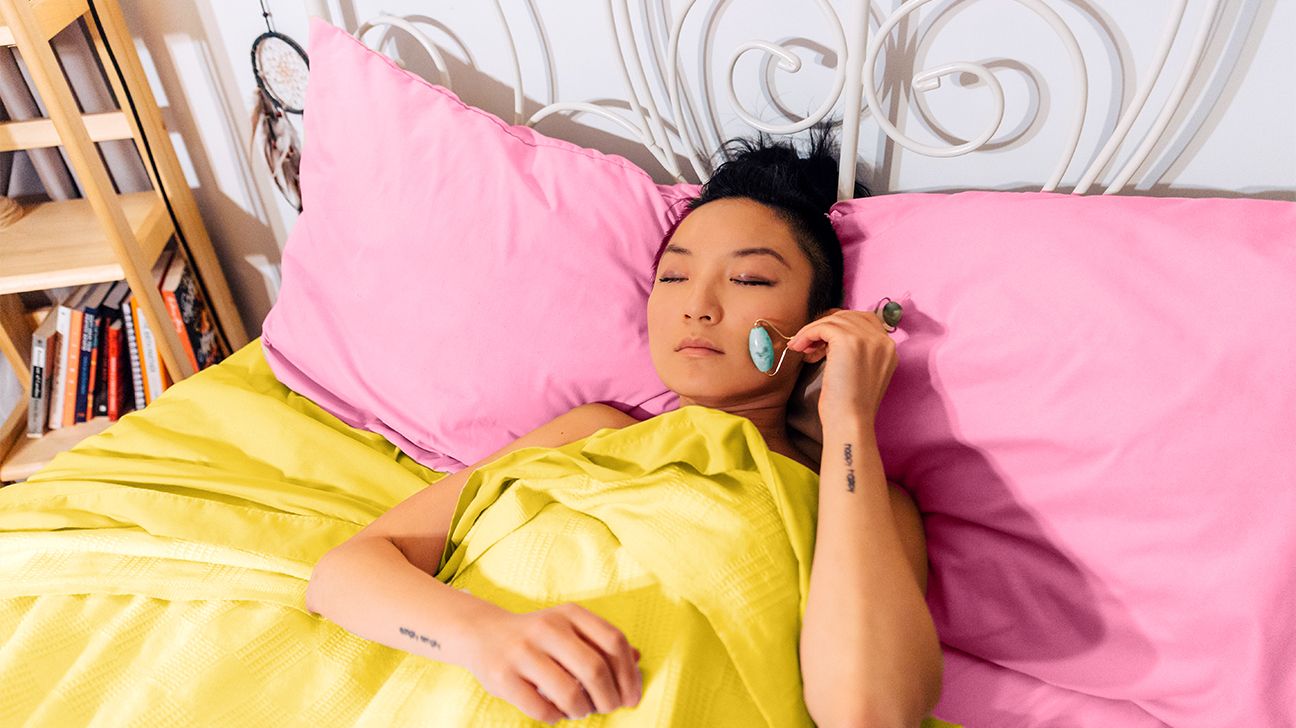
(1235, 134)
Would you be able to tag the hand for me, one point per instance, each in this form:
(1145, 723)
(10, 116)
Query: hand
(861, 359)
(560, 662)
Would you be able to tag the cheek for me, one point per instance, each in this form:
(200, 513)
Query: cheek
(656, 319)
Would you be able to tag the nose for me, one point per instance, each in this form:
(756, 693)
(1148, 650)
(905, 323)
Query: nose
(702, 305)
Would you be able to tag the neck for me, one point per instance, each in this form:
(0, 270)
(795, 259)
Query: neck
(769, 417)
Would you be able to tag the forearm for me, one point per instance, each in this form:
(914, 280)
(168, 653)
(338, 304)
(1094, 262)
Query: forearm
(370, 589)
(869, 647)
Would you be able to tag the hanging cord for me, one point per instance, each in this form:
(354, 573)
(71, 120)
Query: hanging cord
(265, 14)
(148, 149)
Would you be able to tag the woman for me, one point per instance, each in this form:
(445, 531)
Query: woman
(755, 244)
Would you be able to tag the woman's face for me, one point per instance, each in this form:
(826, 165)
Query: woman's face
(713, 282)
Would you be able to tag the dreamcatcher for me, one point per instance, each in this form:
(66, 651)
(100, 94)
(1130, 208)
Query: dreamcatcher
(280, 67)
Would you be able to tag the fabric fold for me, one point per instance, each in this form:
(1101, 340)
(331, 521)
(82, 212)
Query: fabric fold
(157, 570)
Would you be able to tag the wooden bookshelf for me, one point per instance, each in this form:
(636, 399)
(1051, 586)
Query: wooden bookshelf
(103, 236)
(57, 244)
(44, 20)
(31, 454)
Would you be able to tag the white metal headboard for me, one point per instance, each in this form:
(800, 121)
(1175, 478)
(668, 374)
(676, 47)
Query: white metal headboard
(854, 85)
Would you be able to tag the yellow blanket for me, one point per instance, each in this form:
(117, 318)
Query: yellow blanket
(154, 574)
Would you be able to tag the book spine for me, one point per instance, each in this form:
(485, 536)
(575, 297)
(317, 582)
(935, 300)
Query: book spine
(177, 321)
(74, 369)
(153, 370)
(132, 348)
(39, 397)
(113, 390)
(139, 338)
(99, 408)
(198, 321)
(85, 377)
(60, 367)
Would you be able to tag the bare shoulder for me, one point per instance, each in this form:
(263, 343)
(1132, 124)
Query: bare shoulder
(573, 425)
(596, 416)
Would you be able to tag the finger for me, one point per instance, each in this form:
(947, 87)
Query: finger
(814, 334)
(595, 671)
(875, 319)
(556, 685)
(612, 643)
(638, 677)
(825, 331)
(804, 334)
(526, 697)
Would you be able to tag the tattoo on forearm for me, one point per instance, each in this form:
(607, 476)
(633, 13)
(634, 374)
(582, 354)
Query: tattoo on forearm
(420, 637)
(850, 472)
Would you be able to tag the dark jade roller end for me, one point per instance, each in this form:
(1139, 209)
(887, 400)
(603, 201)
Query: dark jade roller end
(891, 314)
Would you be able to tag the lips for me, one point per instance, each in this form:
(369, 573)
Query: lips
(697, 342)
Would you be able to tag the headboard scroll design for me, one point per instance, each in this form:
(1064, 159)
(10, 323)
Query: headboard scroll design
(854, 90)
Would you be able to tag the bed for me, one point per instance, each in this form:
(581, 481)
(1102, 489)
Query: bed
(1092, 561)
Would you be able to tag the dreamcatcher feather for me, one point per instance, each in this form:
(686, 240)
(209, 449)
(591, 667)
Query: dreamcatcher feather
(280, 146)
(281, 69)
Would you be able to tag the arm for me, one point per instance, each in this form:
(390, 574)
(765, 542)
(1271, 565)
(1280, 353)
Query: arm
(870, 654)
(380, 584)
(368, 587)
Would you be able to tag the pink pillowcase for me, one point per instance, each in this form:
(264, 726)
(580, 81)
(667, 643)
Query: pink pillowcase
(1094, 409)
(453, 281)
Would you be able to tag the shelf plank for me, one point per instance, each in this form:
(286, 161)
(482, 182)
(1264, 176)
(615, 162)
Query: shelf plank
(56, 244)
(52, 15)
(40, 133)
(30, 454)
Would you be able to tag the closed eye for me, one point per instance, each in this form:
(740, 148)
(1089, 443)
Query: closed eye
(745, 282)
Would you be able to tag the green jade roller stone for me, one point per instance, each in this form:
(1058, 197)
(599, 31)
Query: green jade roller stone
(891, 314)
(761, 346)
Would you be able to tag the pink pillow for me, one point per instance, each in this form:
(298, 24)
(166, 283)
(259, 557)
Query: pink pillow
(1095, 411)
(453, 281)
(982, 693)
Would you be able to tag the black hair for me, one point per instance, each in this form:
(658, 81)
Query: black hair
(799, 189)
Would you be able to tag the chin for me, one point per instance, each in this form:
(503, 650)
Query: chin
(711, 389)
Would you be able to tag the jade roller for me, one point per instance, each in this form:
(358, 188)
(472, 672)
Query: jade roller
(761, 346)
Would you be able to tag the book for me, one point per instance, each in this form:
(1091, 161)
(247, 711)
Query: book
(132, 351)
(63, 311)
(89, 356)
(191, 317)
(152, 370)
(117, 402)
(43, 355)
(97, 400)
(110, 311)
(170, 283)
(155, 371)
(73, 371)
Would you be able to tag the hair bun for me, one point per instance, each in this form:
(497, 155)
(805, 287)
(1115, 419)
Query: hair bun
(776, 173)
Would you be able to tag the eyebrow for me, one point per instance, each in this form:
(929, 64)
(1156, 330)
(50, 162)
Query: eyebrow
(672, 248)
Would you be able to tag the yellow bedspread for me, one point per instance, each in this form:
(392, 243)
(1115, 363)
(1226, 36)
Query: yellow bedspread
(154, 575)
